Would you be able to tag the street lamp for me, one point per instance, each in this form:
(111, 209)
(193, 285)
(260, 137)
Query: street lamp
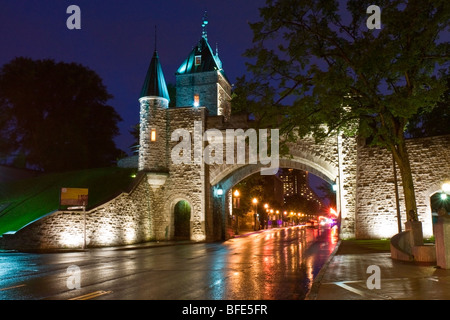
(236, 195)
(255, 202)
(236, 199)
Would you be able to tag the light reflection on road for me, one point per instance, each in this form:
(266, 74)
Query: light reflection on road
(276, 264)
(273, 264)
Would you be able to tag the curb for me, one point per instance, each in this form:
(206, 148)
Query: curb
(313, 292)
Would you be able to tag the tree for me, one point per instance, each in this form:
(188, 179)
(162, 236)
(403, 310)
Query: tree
(300, 203)
(432, 122)
(317, 68)
(55, 116)
(135, 133)
(249, 188)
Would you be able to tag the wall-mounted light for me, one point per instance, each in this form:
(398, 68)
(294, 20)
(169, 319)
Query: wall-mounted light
(219, 192)
(153, 135)
(196, 100)
(446, 187)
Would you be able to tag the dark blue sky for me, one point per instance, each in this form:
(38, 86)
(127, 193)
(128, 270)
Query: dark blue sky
(116, 39)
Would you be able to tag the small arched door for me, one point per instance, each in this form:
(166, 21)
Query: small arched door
(182, 220)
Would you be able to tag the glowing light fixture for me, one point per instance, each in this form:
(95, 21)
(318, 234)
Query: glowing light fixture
(153, 135)
(446, 187)
(332, 211)
(196, 100)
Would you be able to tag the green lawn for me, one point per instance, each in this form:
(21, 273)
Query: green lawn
(26, 200)
(364, 246)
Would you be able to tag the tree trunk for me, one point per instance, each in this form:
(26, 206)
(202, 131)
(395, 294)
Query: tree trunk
(402, 159)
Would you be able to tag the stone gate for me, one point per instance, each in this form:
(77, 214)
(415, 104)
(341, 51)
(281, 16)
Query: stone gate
(172, 170)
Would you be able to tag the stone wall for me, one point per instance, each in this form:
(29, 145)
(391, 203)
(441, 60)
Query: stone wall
(213, 89)
(124, 220)
(153, 155)
(365, 195)
(376, 214)
(186, 181)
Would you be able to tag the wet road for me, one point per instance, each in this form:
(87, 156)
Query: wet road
(277, 264)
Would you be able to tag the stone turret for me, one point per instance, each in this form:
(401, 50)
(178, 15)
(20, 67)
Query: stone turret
(154, 102)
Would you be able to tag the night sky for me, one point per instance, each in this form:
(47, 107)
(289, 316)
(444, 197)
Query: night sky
(117, 40)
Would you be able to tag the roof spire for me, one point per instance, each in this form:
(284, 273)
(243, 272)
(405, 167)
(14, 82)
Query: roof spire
(204, 23)
(155, 37)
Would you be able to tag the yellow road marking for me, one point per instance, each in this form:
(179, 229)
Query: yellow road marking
(91, 295)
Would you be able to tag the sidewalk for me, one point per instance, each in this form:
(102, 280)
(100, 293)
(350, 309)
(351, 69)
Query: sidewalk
(345, 276)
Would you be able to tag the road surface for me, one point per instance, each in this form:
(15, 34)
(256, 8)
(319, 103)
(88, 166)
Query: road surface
(276, 264)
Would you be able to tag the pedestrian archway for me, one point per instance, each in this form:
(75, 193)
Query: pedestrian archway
(182, 220)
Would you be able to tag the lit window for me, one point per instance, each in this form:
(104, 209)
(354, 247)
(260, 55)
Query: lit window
(196, 100)
(153, 135)
(198, 60)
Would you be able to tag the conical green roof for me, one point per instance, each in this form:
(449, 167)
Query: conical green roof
(155, 84)
(201, 59)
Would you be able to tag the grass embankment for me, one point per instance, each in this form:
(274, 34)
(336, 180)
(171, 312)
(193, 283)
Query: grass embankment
(26, 200)
(364, 246)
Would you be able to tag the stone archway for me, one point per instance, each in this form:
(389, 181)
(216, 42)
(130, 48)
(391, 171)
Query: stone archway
(430, 197)
(196, 220)
(224, 183)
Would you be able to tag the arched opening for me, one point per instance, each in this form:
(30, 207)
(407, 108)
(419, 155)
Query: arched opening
(182, 220)
(440, 205)
(291, 197)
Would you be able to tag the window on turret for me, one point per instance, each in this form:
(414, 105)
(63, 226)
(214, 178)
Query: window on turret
(153, 135)
(196, 100)
(198, 60)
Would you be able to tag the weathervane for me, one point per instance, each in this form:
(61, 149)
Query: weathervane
(204, 23)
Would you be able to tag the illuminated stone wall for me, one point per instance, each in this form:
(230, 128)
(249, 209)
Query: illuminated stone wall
(365, 195)
(153, 155)
(213, 89)
(124, 220)
(376, 214)
(186, 181)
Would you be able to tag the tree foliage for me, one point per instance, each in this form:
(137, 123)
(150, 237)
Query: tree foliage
(54, 116)
(298, 203)
(432, 122)
(317, 68)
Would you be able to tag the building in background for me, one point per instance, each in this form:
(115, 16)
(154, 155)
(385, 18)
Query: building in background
(295, 182)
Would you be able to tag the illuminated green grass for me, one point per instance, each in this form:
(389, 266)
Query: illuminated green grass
(26, 200)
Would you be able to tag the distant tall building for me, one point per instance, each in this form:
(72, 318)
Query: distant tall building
(295, 182)
(292, 181)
